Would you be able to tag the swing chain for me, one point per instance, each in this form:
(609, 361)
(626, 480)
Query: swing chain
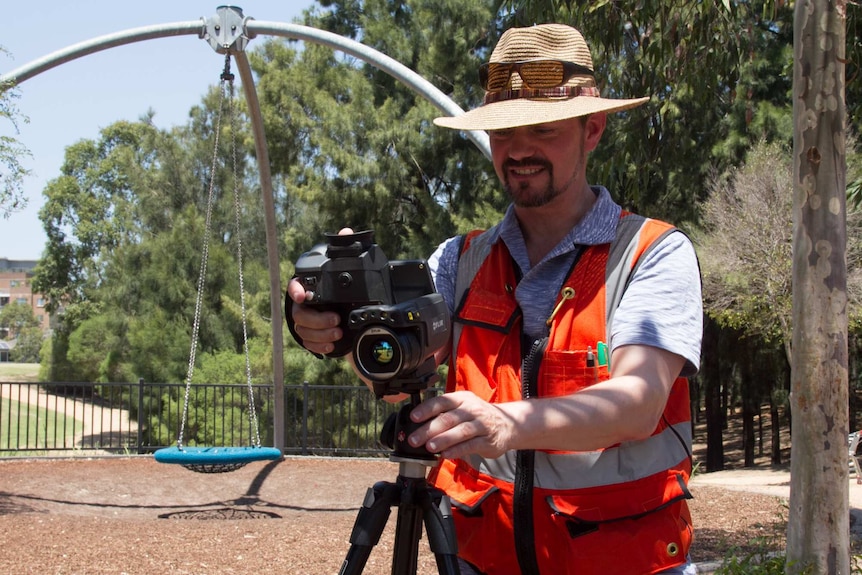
(226, 86)
(252, 415)
(227, 75)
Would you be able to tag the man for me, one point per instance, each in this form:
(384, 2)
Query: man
(565, 431)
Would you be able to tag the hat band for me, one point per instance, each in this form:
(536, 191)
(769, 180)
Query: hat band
(560, 92)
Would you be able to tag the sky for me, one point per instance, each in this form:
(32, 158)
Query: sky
(75, 100)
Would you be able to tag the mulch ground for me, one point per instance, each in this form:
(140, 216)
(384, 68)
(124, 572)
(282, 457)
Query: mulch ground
(131, 515)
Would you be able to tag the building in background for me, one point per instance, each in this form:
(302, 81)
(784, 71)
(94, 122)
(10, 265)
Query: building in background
(16, 286)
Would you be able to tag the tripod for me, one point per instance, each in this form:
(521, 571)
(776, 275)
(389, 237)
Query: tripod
(417, 502)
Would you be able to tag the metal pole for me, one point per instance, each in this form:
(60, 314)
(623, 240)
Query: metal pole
(98, 44)
(141, 418)
(305, 399)
(271, 246)
(377, 59)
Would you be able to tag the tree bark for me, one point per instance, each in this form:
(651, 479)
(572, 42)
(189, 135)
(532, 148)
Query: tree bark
(818, 521)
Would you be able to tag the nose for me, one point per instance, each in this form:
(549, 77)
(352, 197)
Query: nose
(521, 144)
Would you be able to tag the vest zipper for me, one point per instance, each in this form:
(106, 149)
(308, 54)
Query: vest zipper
(525, 467)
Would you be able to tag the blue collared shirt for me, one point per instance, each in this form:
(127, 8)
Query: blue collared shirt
(662, 307)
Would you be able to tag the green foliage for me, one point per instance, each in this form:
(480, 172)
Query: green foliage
(27, 345)
(16, 317)
(745, 247)
(759, 562)
(95, 346)
(358, 146)
(12, 153)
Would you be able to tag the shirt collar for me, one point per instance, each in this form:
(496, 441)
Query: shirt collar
(598, 226)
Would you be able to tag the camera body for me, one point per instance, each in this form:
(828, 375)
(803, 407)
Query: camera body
(393, 320)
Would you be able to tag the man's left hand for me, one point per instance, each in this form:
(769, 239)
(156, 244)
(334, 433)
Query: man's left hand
(459, 423)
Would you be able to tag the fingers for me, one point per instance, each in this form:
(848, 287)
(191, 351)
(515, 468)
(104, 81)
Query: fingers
(296, 292)
(318, 329)
(459, 423)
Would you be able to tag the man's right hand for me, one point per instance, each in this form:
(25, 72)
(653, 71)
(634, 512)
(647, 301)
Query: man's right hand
(318, 329)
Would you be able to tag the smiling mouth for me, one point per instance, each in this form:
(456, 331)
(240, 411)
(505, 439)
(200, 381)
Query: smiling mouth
(525, 171)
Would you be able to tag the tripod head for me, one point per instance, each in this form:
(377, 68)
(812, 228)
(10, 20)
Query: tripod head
(397, 429)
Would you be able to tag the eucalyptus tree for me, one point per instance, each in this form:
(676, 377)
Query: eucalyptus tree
(818, 521)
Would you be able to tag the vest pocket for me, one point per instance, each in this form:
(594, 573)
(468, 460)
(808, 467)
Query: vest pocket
(565, 372)
(482, 523)
(653, 528)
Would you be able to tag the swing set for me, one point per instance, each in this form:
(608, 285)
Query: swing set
(228, 32)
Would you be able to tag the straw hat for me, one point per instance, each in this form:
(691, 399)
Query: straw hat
(516, 105)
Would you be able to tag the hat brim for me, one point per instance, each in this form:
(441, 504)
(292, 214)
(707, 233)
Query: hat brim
(527, 112)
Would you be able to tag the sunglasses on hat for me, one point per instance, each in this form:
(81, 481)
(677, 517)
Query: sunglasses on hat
(535, 74)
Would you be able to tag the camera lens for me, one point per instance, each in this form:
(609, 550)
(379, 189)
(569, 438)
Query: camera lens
(382, 354)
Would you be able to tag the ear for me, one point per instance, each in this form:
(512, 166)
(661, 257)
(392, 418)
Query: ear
(594, 126)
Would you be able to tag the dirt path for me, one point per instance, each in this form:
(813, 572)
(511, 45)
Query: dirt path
(95, 421)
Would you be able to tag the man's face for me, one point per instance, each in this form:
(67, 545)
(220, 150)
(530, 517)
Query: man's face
(538, 163)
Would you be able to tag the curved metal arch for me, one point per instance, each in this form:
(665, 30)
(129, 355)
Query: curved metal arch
(211, 30)
(251, 29)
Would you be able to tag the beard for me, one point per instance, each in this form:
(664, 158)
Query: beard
(523, 196)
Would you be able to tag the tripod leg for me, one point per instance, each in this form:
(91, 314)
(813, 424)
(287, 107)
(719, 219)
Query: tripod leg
(408, 531)
(369, 525)
(441, 531)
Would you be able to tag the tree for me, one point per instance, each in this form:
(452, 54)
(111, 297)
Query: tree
(745, 252)
(357, 148)
(28, 345)
(16, 317)
(12, 172)
(818, 521)
(18, 322)
(745, 246)
(716, 83)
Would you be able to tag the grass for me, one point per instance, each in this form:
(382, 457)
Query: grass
(24, 426)
(20, 372)
(41, 424)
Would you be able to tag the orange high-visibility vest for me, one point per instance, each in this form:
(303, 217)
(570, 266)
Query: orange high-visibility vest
(617, 510)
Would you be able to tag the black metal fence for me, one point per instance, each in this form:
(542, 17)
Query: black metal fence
(44, 418)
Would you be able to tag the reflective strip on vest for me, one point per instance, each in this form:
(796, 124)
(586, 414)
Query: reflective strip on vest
(628, 461)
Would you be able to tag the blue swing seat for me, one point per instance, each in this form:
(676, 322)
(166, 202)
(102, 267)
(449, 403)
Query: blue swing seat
(215, 459)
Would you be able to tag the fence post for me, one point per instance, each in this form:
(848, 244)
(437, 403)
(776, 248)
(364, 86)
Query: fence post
(140, 415)
(305, 418)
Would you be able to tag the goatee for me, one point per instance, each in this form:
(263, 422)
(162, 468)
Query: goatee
(521, 194)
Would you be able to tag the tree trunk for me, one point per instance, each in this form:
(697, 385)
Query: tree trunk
(775, 420)
(759, 431)
(819, 521)
(853, 376)
(748, 435)
(748, 390)
(711, 375)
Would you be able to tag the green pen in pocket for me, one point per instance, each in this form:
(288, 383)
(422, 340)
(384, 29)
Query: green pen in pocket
(602, 349)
